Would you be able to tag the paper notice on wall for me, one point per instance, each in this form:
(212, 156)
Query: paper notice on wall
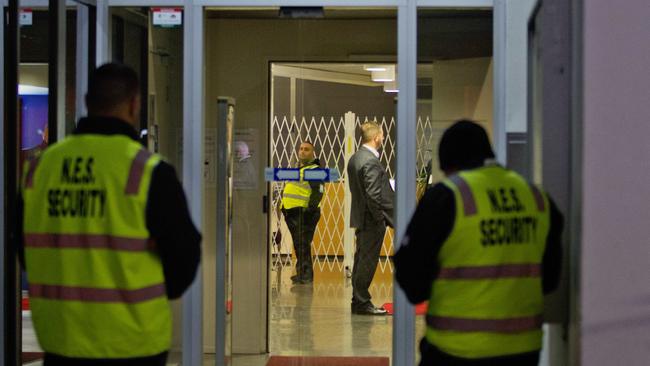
(167, 17)
(210, 165)
(25, 17)
(246, 170)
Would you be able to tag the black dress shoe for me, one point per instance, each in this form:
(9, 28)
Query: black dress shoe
(368, 309)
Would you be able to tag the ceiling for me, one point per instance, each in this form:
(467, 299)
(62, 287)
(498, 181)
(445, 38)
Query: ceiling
(424, 70)
(443, 34)
(344, 13)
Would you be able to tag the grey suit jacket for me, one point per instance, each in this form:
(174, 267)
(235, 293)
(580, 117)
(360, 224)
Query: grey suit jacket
(372, 196)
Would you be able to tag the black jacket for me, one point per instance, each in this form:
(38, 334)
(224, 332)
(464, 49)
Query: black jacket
(167, 215)
(372, 196)
(316, 188)
(416, 260)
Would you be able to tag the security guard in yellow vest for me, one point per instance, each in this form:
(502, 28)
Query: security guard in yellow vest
(107, 236)
(301, 209)
(482, 247)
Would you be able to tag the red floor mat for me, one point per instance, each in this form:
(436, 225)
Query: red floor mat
(327, 361)
(28, 357)
(420, 309)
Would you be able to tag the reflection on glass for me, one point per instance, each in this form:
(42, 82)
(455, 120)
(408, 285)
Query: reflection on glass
(155, 53)
(33, 93)
(454, 76)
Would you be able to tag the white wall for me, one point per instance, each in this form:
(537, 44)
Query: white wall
(615, 276)
(517, 14)
(461, 89)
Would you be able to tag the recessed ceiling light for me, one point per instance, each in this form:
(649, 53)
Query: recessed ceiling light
(374, 68)
(31, 90)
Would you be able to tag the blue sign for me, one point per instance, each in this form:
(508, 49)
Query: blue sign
(293, 174)
(290, 174)
(319, 174)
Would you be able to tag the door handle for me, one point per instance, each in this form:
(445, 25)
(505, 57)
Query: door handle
(265, 204)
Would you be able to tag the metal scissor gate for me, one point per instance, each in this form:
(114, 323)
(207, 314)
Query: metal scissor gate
(335, 139)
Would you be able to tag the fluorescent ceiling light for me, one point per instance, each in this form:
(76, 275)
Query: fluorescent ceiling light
(374, 67)
(391, 87)
(384, 76)
(31, 90)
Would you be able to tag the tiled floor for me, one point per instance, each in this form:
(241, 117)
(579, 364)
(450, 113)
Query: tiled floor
(311, 320)
(316, 319)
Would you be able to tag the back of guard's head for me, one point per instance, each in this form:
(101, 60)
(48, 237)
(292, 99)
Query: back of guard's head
(109, 86)
(464, 145)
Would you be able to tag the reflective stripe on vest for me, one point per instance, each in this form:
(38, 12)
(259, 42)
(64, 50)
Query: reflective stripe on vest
(87, 241)
(135, 173)
(469, 205)
(31, 168)
(97, 287)
(510, 325)
(297, 194)
(89, 294)
(539, 198)
(486, 300)
(490, 272)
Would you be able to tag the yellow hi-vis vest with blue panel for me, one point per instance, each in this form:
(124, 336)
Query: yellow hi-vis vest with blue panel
(297, 193)
(487, 299)
(96, 283)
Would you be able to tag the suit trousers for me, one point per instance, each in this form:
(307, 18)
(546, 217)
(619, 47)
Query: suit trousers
(432, 356)
(369, 241)
(302, 225)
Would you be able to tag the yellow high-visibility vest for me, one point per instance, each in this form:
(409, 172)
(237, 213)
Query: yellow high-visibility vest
(487, 299)
(297, 193)
(96, 283)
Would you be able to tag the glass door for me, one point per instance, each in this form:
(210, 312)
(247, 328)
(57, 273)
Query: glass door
(455, 71)
(295, 86)
(55, 55)
(150, 40)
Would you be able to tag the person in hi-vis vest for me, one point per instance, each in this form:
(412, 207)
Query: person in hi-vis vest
(301, 210)
(483, 247)
(107, 236)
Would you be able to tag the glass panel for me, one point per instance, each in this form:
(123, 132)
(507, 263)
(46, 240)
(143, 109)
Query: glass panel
(156, 54)
(34, 132)
(298, 75)
(454, 81)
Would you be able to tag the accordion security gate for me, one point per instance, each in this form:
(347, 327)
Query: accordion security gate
(335, 139)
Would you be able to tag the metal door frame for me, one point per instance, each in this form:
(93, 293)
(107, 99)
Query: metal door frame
(404, 321)
(56, 112)
(194, 121)
(8, 320)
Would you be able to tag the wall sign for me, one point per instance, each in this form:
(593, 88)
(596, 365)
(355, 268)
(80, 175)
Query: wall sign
(167, 17)
(25, 17)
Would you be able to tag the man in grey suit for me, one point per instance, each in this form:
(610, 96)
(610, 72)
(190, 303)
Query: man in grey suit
(372, 210)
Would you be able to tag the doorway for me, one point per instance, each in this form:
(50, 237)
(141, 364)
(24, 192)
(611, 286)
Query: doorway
(267, 317)
(325, 104)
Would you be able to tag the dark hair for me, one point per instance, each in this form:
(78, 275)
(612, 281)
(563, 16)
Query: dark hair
(110, 85)
(464, 145)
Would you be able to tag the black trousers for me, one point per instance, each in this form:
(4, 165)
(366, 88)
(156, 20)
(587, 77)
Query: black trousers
(432, 356)
(51, 359)
(369, 240)
(302, 225)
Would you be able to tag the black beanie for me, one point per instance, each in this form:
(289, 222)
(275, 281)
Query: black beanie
(464, 145)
